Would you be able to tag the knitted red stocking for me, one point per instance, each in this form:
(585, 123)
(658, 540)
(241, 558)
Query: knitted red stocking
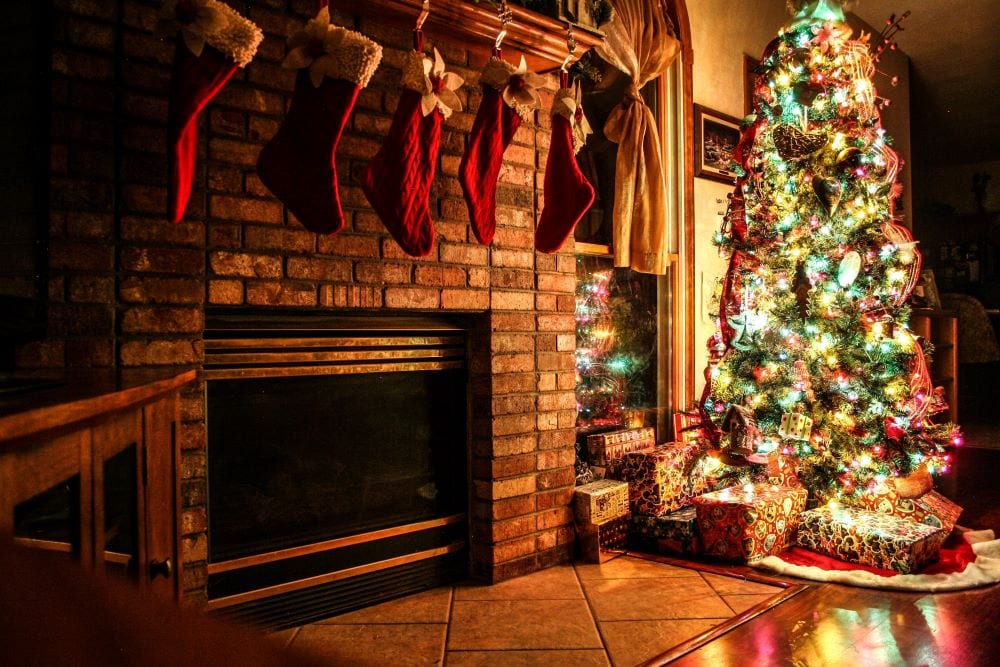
(298, 163)
(397, 183)
(508, 97)
(214, 41)
(568, 193)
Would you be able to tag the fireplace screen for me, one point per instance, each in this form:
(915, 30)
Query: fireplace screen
(296, 460)
(337, 450)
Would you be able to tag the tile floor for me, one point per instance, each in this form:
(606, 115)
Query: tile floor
(621, 613)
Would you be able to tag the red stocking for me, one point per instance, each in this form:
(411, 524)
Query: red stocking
(298, 164)
(508, 97)
(568, 193)
(397, 183)
(214, 41)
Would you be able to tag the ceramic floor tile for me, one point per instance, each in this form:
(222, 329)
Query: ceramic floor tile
(542, 658)
(628, 567)
(522, 624)
(554, 583)
(646, 599)
(735, 586)
(373, 645)
(633, 642)
(740, 603)
(430, 606)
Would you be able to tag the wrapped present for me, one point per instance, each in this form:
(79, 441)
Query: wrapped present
(931, 509)
(599, 502)
(687, 427)
(674, 534)
(605, 447)
(750, 522)
(780, 470)
(598, 543)
(659, 480)
(870, 538)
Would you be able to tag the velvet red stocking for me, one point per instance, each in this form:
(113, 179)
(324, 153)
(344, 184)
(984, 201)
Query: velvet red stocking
(298, 164)
(568, 193)
(211, 44)
(508, 94)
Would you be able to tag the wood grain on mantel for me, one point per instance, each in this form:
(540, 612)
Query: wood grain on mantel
(541, 39)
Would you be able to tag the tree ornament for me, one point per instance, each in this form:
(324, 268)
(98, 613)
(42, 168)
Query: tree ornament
(744, 437)
(397, 182)
(213, 41)
(801, 288)
(795, 426)
(793, 144)
(299, 164)
(850, 267)
(806, 92)
(828, 191)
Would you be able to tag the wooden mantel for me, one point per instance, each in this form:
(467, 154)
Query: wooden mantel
(541, 39)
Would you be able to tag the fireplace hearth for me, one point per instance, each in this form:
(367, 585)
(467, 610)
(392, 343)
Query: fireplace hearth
(337, 462)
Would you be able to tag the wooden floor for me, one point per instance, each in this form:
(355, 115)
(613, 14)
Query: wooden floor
(829, 624)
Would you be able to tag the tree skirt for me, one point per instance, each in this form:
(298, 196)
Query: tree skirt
(968, 560)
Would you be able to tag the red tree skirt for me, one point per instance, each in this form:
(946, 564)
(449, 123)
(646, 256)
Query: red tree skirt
(967, 560)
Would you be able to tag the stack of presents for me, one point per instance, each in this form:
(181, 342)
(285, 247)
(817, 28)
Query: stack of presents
(677, 499)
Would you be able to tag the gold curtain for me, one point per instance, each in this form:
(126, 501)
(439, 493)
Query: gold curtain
(639, 41)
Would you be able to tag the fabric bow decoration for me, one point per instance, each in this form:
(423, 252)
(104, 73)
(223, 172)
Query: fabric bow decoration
(439, 88)
(315, 47)
(571, 109)
(520, 90)
(195, 19)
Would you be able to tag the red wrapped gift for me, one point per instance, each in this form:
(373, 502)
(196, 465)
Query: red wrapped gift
(605, 447)
(931, 509)
(750, 522)
(870, 538)
(659, 480)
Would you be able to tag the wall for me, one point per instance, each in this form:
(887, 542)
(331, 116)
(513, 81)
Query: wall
(723, 31)
(950, 185)
(128, 289)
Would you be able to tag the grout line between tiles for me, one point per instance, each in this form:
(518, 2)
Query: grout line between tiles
(593, 615)
(447, 627)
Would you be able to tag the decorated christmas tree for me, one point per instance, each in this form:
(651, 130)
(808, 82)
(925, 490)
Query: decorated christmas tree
(813, 357)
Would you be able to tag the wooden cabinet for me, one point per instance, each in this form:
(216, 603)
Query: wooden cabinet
(88, 468)
(940, 328)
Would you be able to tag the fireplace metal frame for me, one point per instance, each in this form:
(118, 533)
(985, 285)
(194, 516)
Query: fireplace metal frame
(245, 347)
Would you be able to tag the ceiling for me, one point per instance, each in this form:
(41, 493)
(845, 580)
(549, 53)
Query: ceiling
(954, 50)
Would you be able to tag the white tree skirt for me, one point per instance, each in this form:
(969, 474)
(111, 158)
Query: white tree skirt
(985, 570)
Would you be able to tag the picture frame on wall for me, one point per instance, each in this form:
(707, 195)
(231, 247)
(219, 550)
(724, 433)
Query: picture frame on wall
(930, 289)
(715, 137)
(749, 64)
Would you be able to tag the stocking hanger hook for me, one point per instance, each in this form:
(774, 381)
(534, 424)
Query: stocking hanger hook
(570, 47)
(424, 13)
(505, 15)
(418, 32)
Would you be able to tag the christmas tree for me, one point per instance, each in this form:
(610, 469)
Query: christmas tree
(813, 352)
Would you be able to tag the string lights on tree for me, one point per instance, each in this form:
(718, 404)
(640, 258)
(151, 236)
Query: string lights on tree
(813, 335)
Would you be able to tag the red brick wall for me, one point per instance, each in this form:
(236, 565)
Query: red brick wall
(129, 289)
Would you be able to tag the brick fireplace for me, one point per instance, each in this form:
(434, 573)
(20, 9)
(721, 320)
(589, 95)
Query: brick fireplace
(128, 289)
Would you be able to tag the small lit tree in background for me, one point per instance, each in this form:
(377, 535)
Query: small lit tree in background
(813, 337)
